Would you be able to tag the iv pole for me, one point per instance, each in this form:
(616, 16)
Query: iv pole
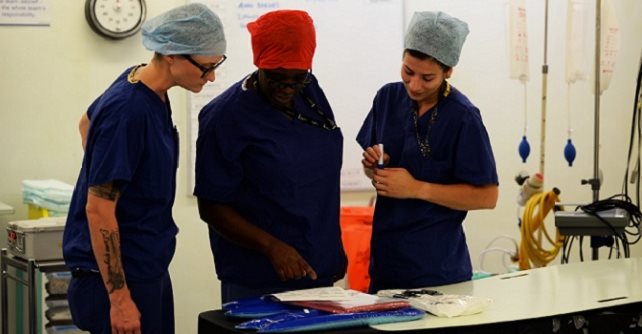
(595, 181)
(542, 144)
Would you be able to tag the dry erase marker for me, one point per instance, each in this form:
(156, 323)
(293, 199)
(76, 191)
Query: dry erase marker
(380, 163)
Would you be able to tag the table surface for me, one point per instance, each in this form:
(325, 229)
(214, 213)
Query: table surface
(525, 297)
(542, 292)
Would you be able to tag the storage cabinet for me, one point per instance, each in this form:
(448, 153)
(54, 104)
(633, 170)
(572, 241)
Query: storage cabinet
(56, 313)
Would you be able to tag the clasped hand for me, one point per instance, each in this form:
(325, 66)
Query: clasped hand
(392, 182)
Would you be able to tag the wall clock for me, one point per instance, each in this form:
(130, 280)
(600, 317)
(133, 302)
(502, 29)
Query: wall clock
(115, 19)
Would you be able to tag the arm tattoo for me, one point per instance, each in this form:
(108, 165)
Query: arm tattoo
(116, 277)
(106, 191)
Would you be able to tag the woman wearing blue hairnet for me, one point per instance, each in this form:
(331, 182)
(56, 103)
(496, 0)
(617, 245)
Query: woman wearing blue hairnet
(120, 235)
(438, 163)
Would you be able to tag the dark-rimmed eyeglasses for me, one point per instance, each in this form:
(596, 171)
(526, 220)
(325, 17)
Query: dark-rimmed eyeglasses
(278, 81)
(205, 69)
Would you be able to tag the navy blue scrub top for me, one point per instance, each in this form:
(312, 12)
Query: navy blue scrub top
(131, 141)
(417, 243)
(281, 175)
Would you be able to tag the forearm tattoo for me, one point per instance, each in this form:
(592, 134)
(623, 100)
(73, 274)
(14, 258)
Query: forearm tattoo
(116, 277)
(106, 191)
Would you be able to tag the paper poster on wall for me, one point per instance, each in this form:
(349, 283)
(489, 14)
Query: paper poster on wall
(25, 12)
(359, 49)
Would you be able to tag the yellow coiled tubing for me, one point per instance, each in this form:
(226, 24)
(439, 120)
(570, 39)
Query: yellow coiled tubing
(531, 250)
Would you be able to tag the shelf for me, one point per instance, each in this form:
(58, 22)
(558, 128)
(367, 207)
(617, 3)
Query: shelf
(30, 266)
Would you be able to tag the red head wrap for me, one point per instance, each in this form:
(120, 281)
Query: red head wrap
(283, 39)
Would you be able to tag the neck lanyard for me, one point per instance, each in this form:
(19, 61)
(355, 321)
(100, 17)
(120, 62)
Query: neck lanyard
(327, 123)
(424, 145)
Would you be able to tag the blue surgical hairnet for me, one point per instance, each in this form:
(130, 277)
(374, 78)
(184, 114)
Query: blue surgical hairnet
(437, 34)
(191, 29)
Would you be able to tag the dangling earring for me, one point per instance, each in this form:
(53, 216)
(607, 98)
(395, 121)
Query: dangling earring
(447, 88)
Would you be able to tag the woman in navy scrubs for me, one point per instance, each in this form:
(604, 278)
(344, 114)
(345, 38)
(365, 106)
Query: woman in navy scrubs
(438, 163)
(120, 235)
(268, 160)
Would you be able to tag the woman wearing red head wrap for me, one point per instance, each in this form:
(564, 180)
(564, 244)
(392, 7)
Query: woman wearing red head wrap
(268, 161)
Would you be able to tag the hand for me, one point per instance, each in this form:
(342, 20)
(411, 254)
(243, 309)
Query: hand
(125, 317)
(395, 182)
(371, 157)
(288, 263)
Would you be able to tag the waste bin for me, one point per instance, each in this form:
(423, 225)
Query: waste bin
(356, 229)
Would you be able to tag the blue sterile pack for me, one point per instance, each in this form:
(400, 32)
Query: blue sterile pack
(312, 320)
(257, 324)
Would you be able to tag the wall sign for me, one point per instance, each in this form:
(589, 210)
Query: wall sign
(25, 12)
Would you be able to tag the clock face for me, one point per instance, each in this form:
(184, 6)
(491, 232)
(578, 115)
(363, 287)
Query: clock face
(115, 18)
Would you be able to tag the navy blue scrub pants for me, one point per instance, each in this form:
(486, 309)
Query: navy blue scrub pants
(89, 304)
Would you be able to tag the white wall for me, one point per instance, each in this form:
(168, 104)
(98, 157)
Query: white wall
(49, 75)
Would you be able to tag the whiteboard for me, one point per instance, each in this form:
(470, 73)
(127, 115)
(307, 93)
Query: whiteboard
(359, 49)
